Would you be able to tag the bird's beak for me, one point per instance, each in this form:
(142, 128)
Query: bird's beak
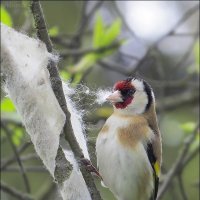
(115, 97)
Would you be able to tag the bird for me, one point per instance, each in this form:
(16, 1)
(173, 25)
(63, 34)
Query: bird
(129, 145)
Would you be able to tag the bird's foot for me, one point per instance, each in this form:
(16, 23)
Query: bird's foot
(90, 167)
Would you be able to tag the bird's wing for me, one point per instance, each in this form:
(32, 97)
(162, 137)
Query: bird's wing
(156, 168)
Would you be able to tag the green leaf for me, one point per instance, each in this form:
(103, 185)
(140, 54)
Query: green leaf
(5, 17)
(53, 31)
(195, 143)
(77, 78)
(112, 33)
(103, 36)
(65, 75)
(7, 105)
(86, 62)
(17, 136)
(188, 127)
(98, 32)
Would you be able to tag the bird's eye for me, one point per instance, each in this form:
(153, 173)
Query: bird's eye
(128, 92)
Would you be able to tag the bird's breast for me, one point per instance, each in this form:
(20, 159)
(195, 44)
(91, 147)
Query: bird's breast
(122, 158)
(128, 131)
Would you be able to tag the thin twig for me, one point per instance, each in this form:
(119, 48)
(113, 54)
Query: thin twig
(58, 90)
(191, 156)
(128, 71)
(178, 163)
(181, 186)
(12, 159)
(172, 83)
(6, 163)
(122, 17)
(85, 20)
(130, 56)
(176, 100)
(81, 52)
(182, 20)
(28, 169)
(15, 193)
(17, 157)
(181, 34)
(186, 54)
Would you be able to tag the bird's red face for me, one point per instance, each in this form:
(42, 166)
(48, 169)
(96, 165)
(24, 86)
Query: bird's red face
(132, 96)
(123, 94)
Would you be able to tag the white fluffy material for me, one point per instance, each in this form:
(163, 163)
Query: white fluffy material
(24, 63)
(75, 187)
(101, 96)
(76, 119)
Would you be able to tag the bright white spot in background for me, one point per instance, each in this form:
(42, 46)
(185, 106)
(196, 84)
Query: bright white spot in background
(150, 20)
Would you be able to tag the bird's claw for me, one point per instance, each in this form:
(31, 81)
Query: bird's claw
(90, 167)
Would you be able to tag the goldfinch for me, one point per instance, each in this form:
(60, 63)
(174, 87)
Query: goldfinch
(128, 147)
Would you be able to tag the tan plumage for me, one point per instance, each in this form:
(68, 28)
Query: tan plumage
(151, 118)
(136, 131)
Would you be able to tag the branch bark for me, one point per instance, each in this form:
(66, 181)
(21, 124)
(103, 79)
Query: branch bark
(58, 90)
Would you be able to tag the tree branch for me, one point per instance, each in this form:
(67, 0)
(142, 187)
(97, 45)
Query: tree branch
(58, 90)
(183, 19)
(179, 99)
(181, 186)
(15, 169)
(17, 157)
(85, 18)
(6, 163)
(81, 52)
(12, 159)
(15, 193)
(191, 156)
(178, 164)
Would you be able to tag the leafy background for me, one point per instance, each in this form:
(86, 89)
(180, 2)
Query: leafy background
(91, 52)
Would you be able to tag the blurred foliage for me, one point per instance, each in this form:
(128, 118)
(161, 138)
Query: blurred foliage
(8, 110)
(18, 136)
(7, 105)
(103, 37)
(53, 31)
(175, 124)
(195, 67)
(196, 53)
(26, 5)
(188, 127)
(104, 112)
(5, 17)
(65, 75)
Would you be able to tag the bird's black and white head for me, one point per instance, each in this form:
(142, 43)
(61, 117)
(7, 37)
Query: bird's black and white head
(133, 96)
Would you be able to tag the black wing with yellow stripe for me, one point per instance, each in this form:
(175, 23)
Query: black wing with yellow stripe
(155, 167)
